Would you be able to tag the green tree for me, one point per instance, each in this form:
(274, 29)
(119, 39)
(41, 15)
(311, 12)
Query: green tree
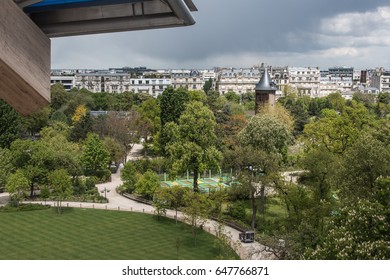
(332, 132)
(63, 153)
(358, 232)
(34, 158)
(81, 128)
(176, 196)
(130, 176)
(61, 185)
(59, 96)
(320, 178)
(193, 146)
(147, 184)
(263, 141)
(116, 149)
(6, 167)
(150, 112)
(196, 210)
(172, 104)
(364, 163)
(336, 101)
(125, 128)
(161, 200)
(95, 157)
(197, 95)
(267, 133)
(36, 121)
(208, 85)
(232, 97)
(258, 170)
(9, 124)
(101, 101)
(18, 186)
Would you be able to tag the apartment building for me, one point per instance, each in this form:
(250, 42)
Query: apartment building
(189, 79)
(153, 85)
(103, 81)
(237, 80)
(305, 79)
(381, 80)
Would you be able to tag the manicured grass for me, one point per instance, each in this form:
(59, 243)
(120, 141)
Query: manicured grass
(87, 234)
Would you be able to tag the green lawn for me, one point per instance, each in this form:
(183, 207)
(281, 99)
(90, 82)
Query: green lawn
(80, 234)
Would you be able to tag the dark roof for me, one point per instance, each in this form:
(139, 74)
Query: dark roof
(266, 83)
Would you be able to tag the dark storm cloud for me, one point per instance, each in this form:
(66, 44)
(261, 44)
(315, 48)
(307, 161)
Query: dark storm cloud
(226, 29)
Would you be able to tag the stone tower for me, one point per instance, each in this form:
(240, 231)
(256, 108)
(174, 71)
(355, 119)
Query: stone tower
(265, 92)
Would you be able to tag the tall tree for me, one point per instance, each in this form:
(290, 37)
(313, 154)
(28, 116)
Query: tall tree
(124, 127)
(267, 133)
(147, 184)
(129, 176)
(208, 85)
(18, 186)
(61, 185)
(95, 157)
(59, 96)
(36, 121)
(34, 158)
(364, 163)
(338, 131)
(194, 147)
(358, 232)
(150, 112)
(264, 141)
(196, 210)
(9, 124)
(172, 103)
(6, 167)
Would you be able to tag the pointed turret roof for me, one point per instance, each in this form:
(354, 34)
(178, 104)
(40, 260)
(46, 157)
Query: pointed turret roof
(266, 83)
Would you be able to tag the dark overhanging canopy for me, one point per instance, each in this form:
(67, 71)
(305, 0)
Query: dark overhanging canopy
(26, 27)
(57, 18)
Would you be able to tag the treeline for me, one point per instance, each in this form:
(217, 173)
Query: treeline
(310, 176)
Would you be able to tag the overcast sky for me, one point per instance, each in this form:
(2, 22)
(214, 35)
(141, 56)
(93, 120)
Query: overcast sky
(243, 33)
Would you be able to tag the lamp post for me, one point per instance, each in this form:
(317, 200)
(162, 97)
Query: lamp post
(105, 191)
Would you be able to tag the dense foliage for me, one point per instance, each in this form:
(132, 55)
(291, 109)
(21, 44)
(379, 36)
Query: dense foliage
(313, 172)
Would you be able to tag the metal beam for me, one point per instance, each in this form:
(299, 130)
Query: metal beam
(181, 10)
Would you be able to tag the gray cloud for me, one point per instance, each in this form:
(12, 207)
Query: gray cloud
(244, 33)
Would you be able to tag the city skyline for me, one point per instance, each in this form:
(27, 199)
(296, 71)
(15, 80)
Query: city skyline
(244, 34)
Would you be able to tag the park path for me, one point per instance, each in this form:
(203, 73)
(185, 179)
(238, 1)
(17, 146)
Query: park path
(117, 202)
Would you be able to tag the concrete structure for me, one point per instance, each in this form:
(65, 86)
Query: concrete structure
(24, 60)
(68, 81)
(27, 25)
(265, 92)
(381, 80)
